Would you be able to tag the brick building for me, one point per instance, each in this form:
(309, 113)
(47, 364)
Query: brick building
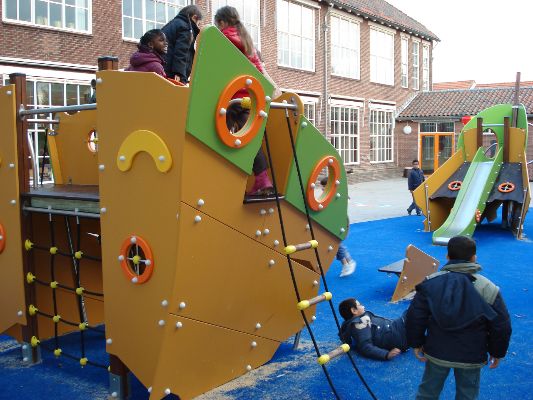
(353, 62)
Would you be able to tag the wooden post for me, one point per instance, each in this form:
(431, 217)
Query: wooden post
(479, 132)
(506, 139)
(31, 329)
(107, 63)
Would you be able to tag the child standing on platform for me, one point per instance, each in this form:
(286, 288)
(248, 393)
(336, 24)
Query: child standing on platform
(151, 54)
(228, 21)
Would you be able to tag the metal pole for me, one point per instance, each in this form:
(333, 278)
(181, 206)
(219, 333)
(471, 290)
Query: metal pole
(34, 160)
(522, 216)
(427, 207)
(50, 110)
(43, 121)
(286, 106)
(61, 212)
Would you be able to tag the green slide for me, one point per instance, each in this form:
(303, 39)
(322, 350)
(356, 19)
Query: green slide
(474, 192)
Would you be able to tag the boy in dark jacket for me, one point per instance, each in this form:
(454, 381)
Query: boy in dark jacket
(373, 336)
(414, 180)
(455, 319)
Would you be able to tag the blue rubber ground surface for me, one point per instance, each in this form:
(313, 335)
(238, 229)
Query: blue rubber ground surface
(295, 374)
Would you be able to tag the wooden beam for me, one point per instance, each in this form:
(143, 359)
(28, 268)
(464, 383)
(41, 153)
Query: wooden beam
(479, 132)
(506, 139)
(106, 63)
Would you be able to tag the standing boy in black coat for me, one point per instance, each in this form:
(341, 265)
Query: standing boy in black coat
(455, 319)
(414, 180)
(181, 34)
(373, 336)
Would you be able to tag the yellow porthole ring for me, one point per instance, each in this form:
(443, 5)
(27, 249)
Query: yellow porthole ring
(2, 238)
(257, 111)
(334, 168)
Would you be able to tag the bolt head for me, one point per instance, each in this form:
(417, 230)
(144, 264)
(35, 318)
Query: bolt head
(320, 207)
(162, 158)
(266, 231)
(330, 161)
(122, 158)
(268, 99)
(271, 211)
(161, 322)
(99, 80)
(167, 391)
(248, 368)
(276, 242)
(114, 394)
(134, 279)
(254, 344)
(164, 303)
(25, 359)
(258, 233)
(258, 326)
(133, 240)
(101, 167)
(304, 124)
(9, 92)
(103, 210)
(182, 305)
(248, 82)
(315, 283)
(20, 313)
(11, 165)
(109, 341)
(147, 262)
(262, 212)
(13, 202)
(238, 142)
(201, 202)
(271, 263)
(197, 219)
(179, 325)
(313, 185)
(121, 258)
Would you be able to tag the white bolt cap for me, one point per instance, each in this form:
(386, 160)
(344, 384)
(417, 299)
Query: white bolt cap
(254, 344)
(109, 341)
(122, 158)
(258, 233)
(25, 359)
(133, 240)
(161, 322)
(197, 218)
(179, 325)
(304, 124)
(313, 317)
(13, 202)
(101, 167)
(25, 347)
(147, 262)
(20, 314)
(266, 231)
(1, 237)
(330, 248)
(167, 391)
(201, 202)
(164, 303)
(271, 211)
(268, 99)
(337, 182)
(103, 210)
(338, 195)
(320, 207)
(313, 185)
(134, 279)
(150, 389)
(222, 111)
(258, 326)
(182, 305)
(263, 114)
(11, 165)
(271, 263)
(315, 283)
(121, 258)
(307, 227)
(343, 230)
(248, 368)
(330, 161)
(248, 82)
(238, 142)
(262, 212)
(9, 92)
(162, 158)
(99, 80)
(114, 394)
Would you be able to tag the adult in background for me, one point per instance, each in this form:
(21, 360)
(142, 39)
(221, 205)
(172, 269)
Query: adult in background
(414, 180)
(181, 35)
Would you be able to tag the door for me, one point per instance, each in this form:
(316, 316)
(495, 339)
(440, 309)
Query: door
(427, 154)
(435, 149)
(445, 148)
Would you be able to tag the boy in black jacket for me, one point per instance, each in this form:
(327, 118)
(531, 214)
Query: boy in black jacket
(373, 336)
(455, 319)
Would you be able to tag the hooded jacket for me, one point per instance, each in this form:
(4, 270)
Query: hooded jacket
(457, 316)
(373, 336)
(181, 34)
(415, 178)
(146, 60)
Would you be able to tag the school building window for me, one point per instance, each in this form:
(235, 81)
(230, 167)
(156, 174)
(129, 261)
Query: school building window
(381, 130)
(249, 11)
(310, 104)
(416, 65)
(344, 132)
(381, 56)
(345, 38)
(73, 15)
(42, 93)
(296, 35)
(425, 67)
(139, 16)
(405, 62)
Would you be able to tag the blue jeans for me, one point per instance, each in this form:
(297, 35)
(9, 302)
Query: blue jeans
(466, 382)
(343, 253)
(413, 206)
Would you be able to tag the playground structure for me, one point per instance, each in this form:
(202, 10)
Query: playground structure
(145, 234)
(473, 183)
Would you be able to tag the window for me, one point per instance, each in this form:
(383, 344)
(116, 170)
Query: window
(249, 11)
(310, 108)
(47, 93)
(416, 65)
(344, 122)
(381, 57)
(296, 35)
(345, 40)
(139, 16)
(426, 127)
(381, 128)
(425, 67)
(405, 62)
(72, 15)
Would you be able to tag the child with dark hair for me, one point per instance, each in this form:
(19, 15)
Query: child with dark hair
(150, 56)
(456, 317)
(373, 336)
(228, 21)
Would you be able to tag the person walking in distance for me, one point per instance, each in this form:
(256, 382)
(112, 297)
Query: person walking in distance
(414, 180)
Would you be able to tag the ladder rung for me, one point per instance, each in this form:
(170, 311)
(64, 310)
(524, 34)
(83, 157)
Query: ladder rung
(302, 305)
(323, 359)
(293, 248)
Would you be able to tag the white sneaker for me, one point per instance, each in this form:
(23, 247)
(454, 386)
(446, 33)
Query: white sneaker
(348, 269)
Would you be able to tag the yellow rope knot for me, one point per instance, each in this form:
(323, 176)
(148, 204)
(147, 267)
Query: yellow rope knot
(30, 278)
(34, 341)
(28, 245)
(136, 260)
(53, 250)
(57, 352)
(54, 284)
(32, 310)
(78, 255)
(79, 291)
(56, 318)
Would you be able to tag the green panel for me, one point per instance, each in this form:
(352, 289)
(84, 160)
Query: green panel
(311, 147)
(495, 115)
(217, 63)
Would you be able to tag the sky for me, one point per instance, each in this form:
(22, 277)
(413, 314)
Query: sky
(487, 41)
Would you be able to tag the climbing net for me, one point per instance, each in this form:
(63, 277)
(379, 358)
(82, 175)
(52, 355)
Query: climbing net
(74, 253)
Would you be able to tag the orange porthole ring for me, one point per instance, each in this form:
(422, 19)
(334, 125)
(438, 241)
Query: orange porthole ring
(257, 111)
(455, 185)
(136, 259)
(331, 188)
(506, 187)
(2, 238)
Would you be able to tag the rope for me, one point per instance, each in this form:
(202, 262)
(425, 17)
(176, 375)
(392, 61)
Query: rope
(291, 268)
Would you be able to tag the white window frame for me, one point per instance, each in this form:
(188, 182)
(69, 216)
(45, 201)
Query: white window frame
(375, 153)
(345, 133)
(169, 6)
(425, 66)
(416, 65)
(377, 59)
(404, 78)
(33, 23)
(348, 54)
(310, 102)
(251, 22)
(290, 22)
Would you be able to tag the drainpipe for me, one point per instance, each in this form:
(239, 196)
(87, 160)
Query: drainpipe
(326, 69)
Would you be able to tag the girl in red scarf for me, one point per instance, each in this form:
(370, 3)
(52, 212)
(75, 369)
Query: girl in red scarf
(228, 21)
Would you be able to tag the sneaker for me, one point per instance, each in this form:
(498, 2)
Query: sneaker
(348, 269)
(409, 211)
(419, 214)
